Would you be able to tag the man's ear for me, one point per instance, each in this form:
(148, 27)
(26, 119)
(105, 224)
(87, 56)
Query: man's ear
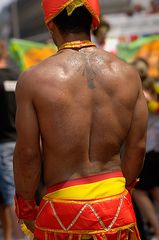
(51, 26)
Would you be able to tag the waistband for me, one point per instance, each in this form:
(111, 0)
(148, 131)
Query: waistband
(87, 188)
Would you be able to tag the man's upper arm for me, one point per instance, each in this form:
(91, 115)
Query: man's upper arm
(27, 150)
(26, 119)
(138, 129)
(134, 147)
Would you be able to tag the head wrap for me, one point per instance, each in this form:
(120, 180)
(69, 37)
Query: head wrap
(53, 7)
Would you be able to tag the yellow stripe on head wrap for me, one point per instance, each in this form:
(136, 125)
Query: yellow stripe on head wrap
(73, 5)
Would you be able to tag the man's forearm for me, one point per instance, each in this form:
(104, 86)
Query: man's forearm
(130, 176)
(132, 165)
(27, 170)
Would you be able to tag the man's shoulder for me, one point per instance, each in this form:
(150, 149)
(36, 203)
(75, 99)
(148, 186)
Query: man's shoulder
(125, 80)
(32, 77)
(117, 63)
(123, 70)
(26, 80)
(34, 72)
(41, 69)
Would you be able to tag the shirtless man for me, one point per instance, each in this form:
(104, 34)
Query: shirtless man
(85, 105)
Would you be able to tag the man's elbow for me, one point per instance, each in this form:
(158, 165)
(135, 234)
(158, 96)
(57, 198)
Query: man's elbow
(141, 148)
(26, 155)
(139, 156)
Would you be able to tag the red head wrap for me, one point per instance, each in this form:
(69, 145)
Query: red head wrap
(53, 7)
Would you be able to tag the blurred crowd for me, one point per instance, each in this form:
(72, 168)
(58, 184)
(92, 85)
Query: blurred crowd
(151, 7)
(146, 194)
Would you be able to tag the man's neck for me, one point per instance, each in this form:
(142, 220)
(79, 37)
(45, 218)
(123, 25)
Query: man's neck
(3, 63)
(73, 37)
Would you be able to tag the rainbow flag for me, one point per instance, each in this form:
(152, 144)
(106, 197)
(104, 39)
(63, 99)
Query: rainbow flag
(145, 47)
(28, 53)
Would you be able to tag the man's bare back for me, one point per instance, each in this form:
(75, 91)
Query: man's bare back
(84, 103)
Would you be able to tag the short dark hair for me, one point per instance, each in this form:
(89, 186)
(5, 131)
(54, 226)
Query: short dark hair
(79, 21)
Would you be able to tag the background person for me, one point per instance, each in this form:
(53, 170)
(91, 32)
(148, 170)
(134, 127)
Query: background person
(8, 79)
(100, 34)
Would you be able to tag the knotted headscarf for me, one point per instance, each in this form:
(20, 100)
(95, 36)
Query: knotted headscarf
(53, 7)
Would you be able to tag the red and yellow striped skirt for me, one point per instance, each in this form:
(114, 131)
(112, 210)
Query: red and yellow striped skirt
(97, 207)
